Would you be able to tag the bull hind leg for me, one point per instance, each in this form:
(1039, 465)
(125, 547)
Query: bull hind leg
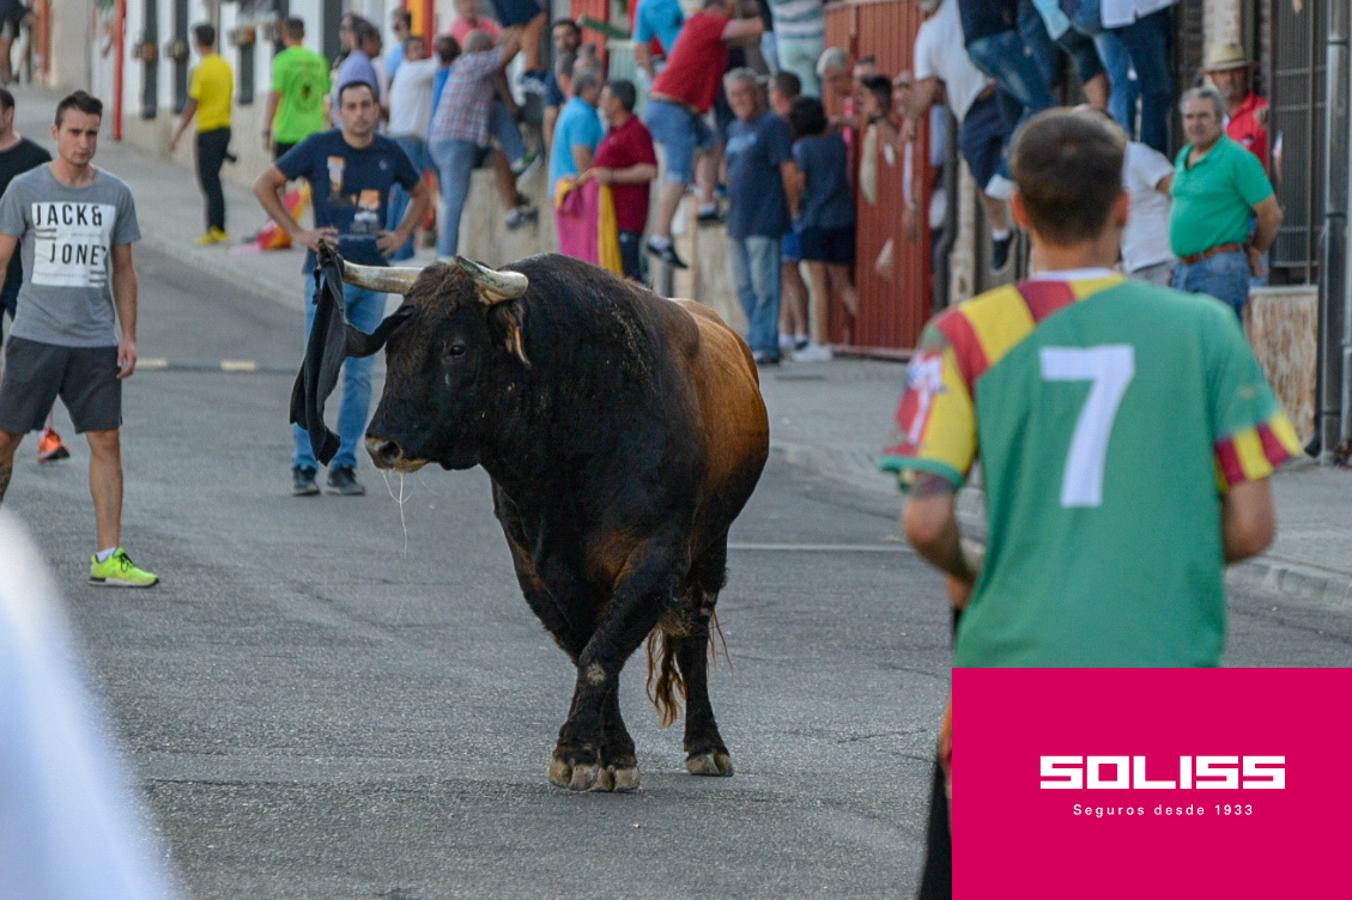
(706, 754)
(580, 760)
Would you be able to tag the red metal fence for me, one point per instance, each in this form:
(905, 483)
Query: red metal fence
(596, 9)
(893, 306)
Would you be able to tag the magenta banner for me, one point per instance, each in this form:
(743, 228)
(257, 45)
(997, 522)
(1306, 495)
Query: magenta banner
(1154, 783)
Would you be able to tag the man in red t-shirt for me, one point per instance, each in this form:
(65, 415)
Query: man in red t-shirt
(1229, 70)
(681, 95)
(627, 161)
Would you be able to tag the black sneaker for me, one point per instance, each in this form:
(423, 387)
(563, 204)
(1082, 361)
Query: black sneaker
(343, 480)
(709, 215)
(303, 482)
(1000, 251)
(667, 254)
(764, 359)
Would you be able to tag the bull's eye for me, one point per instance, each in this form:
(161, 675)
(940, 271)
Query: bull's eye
(456, 350)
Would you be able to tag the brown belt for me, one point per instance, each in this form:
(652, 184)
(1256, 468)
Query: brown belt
(1220, 248)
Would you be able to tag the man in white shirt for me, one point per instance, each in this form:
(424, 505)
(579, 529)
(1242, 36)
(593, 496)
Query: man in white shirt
(410, 103)
(942, 67)
(1147, 176)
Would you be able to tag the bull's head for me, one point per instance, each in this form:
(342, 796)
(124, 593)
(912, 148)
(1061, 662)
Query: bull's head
(448, 364)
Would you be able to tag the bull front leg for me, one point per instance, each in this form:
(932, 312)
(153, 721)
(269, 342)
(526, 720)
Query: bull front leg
(594, 729)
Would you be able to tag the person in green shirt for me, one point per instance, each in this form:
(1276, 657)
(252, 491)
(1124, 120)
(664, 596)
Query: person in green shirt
(300, 83)
(1125, 434)
(1219, 190)
(209, 99)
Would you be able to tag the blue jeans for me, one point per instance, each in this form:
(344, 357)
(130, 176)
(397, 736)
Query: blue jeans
(1224, 276)
(1124, 86)
(364, 310)
(455, 162)
(755, 273)
(1018, 61)
(1147, 42)
(416, 150)
(1079, 47)
(506, 132)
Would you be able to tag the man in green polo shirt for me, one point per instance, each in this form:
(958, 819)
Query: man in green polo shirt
(1219, 189)
(300, 82)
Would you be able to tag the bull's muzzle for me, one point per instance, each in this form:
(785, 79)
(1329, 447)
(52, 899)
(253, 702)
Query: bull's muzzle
(387, 454)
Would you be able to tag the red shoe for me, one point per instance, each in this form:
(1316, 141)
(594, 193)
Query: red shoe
(50, 448)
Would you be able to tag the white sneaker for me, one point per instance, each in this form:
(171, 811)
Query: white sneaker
(813, 353)
(999, 187)
(785, 341)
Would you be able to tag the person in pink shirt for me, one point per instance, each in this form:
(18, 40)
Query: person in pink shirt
(467, 19)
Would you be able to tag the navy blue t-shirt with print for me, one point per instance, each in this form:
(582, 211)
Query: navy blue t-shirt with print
(350, 186)
(826, 203)
(756, 203)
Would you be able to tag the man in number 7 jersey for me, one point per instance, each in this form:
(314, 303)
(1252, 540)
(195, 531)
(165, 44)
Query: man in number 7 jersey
(1125, 434)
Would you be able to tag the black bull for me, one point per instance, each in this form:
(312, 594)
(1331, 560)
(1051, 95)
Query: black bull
(623, 433)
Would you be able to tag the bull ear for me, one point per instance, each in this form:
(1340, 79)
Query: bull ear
(510, 317)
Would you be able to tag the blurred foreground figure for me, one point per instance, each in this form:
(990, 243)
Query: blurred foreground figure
(69, 829)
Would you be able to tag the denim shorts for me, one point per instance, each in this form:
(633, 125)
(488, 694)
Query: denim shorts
(516, 12)
(790, 248)
(982, 139)
(834, 246)
(681, 134)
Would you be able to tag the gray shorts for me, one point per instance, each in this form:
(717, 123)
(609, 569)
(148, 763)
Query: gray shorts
(85, 378)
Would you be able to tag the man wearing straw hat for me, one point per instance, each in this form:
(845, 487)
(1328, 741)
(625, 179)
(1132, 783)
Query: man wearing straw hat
(1229, 70)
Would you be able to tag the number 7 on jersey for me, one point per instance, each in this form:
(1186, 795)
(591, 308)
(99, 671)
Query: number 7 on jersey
(1110, 368)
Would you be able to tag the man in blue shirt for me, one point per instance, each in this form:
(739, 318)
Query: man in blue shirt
(567, 39)
(760, 164)
(359, 66)
(661, 19)
(579, 130)
(351, 171)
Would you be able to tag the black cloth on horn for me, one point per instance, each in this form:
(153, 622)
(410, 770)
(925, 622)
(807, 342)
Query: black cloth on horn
(331, 341)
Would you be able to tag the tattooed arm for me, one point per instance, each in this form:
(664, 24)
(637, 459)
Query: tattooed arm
(931, 525)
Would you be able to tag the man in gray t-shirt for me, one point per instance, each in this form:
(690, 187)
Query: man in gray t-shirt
(68, 235)
(75, 332)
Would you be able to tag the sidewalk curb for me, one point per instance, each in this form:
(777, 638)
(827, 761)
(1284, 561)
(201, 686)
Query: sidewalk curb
(1284, 580)
(1276, 578)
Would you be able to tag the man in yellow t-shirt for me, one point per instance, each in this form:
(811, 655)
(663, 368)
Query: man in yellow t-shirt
(209, 98)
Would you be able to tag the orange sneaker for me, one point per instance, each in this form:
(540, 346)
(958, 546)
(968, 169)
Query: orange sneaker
(50, 448)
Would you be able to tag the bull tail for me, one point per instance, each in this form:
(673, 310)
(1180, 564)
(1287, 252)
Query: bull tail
(662, 661)
(669, 681)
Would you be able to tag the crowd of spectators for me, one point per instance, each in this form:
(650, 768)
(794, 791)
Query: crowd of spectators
(780, 137)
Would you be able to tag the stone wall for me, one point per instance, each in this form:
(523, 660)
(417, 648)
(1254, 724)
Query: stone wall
(1284, 330)
(1223, 22)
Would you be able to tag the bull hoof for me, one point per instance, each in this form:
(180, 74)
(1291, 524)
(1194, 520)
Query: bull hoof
(588, 778)
(579, 776)
(560, 772)
(711, 763)
(625, 778)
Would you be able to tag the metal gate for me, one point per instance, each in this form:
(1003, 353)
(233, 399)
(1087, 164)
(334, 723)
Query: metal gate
(1297, 128)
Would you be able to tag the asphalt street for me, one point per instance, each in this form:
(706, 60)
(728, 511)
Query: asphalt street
(322, 701)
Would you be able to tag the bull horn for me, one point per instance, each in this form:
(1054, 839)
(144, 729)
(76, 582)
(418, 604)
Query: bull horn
(390, 279)
(494, 285)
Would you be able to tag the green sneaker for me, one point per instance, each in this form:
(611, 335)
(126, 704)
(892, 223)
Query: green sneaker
(119, 571)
